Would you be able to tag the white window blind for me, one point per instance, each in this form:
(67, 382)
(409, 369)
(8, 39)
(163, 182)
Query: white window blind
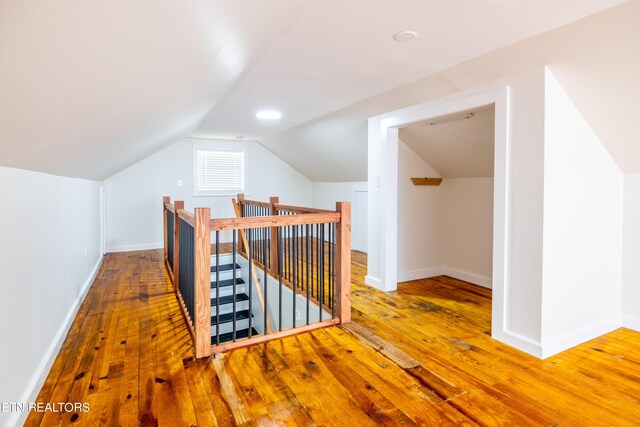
(219, 171)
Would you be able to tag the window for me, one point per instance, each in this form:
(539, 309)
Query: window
(218, 171)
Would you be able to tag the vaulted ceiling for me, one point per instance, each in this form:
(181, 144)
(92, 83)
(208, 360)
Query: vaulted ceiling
(87, 88)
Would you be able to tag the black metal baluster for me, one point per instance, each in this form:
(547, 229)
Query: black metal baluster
(249, 236)
(328, 262)
(265, 283)
(317, 261)
(308, 249)
(312, 245)
(295, 271)
(280, 278)
(333, 271)
(233, 269)
(321, 226)
(285, 255)
(254, 246)
(217, 287)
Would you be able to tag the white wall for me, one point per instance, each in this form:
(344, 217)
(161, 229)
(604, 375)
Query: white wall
(134, 196)
(326, 194)
(582, 256)
(420, 222)
(50, 250)
(468, 229)
(446, 229)
(631, 253)
(518, 299)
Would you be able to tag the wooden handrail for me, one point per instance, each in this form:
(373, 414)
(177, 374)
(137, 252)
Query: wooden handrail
(187, 217)
(169, 206)
(254, 203)
(280, 207)
(300, 209)
(273, 221)
(253, 272)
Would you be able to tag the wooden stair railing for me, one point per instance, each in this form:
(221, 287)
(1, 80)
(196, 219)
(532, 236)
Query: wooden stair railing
(306, 266)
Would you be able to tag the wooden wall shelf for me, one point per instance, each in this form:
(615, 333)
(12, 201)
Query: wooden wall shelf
(426, 181)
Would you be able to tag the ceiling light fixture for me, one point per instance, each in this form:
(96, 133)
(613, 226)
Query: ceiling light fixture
(405, 36)
(268, 115)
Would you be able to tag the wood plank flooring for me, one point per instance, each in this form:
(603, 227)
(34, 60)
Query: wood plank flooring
(419, 356)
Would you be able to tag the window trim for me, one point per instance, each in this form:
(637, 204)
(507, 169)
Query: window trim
(210, 146)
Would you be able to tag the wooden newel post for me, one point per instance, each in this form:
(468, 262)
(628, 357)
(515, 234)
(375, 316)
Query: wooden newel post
(240, 201)
(343, 262)
(177, 205)
(165, 200)
(202, 281)
(274, 238)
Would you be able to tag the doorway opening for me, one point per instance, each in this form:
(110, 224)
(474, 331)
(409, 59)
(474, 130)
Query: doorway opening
(384, 132)
(445, 223)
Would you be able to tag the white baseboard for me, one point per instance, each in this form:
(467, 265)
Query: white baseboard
(476, 279)
(130, 248)
(37, 380)
(519, 342)
(405, 276)
(373, 281)
(557, 345)
(579, 336)
(631, 323)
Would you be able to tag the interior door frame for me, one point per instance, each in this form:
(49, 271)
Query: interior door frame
(383, 149)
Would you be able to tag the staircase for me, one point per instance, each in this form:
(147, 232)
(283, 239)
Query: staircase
(226, 305)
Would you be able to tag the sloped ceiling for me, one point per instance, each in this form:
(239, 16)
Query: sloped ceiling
(90, 87)
(590, 58)
(460, 148)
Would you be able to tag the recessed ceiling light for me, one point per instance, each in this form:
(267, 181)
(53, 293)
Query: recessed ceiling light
(405, 36)
(269, 115)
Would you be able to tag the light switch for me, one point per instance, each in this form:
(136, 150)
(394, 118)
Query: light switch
(179, 183)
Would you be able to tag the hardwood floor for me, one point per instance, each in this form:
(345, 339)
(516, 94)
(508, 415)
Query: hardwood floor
(419, 356)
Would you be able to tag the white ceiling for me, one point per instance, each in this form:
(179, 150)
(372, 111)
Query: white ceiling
(88, 88)
(455, 149)
(339, 52)
(590, 58)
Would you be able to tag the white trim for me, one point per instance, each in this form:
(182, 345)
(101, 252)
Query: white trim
(519, 342)
(423, 273)
(579, 336)
(373, 281)
(383, 144)
(476, 279)
(130, 248)
(630, 322)
(32, 390)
